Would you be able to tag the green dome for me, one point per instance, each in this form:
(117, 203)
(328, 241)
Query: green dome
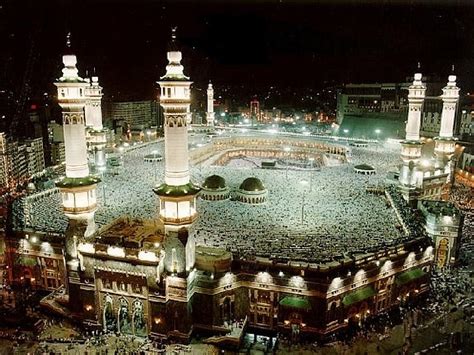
(364, 167)
(252, 184)
(214, 182)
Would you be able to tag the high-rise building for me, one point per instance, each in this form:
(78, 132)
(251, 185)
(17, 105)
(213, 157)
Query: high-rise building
(35, 156)
(19, 160)
(3, 161)
(255, 110)
(56, 141)
(135, 113)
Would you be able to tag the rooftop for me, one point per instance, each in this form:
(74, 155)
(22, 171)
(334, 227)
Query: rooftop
(132, 233)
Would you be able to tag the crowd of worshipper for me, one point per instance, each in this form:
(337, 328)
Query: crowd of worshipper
(412, 218)
(463, 197)
(328, 216)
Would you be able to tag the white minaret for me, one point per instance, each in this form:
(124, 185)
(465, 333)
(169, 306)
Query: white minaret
(177, 195)
(210, 106)
(416, 96)
(93, 107)
(78, 188)
(445, 143)
(96, 135)
(410, 179)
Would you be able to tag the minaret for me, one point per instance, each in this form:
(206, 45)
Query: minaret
(78, 188)
(410, 180)
(445, 142)
(177, 195)
(210, 106)
(96, 135)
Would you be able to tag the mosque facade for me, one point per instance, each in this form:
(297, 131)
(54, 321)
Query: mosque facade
(149, 278)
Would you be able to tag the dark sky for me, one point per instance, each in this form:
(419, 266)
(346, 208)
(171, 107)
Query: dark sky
(252, 44)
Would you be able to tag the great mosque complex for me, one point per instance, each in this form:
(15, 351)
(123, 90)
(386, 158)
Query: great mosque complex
(245, 230)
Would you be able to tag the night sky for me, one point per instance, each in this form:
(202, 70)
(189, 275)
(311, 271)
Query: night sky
(246, 44)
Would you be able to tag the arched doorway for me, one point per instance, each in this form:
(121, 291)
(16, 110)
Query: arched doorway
(123, 318)
(108, 317)
(296, 321)
(138, 319)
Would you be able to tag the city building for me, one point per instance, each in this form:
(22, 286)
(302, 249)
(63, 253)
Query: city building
(362, 108)
(35, 156)
(135, 113)
(19, 161)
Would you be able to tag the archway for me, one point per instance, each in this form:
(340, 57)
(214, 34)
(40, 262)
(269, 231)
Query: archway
(138, 319)
(124, 325)
(108, 317)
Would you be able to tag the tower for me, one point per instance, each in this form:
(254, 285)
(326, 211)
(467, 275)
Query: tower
(410, 179)
(255, 110)
(78, 188)
(445, 142)
(210, 106)
(177, 195)
(96, 135)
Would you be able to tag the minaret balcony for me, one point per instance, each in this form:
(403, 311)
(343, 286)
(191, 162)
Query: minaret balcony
(179, 220)
(80, 210)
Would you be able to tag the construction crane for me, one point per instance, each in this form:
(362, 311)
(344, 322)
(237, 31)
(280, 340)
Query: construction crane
(24, 90)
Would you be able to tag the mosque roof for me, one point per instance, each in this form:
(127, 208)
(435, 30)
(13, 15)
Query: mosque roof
(252, 184)
(214, 182)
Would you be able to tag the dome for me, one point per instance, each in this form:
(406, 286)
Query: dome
(214, 182)
(364, 167)
(252, 184)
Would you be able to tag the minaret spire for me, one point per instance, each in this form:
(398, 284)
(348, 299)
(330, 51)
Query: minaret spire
(450, 99)
(210, 105)
(96, 134)
(411, 146)
(78, 188)
(416, 96)
(175, 99)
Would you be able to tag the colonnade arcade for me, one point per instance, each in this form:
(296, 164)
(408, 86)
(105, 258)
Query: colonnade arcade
(124, 315)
